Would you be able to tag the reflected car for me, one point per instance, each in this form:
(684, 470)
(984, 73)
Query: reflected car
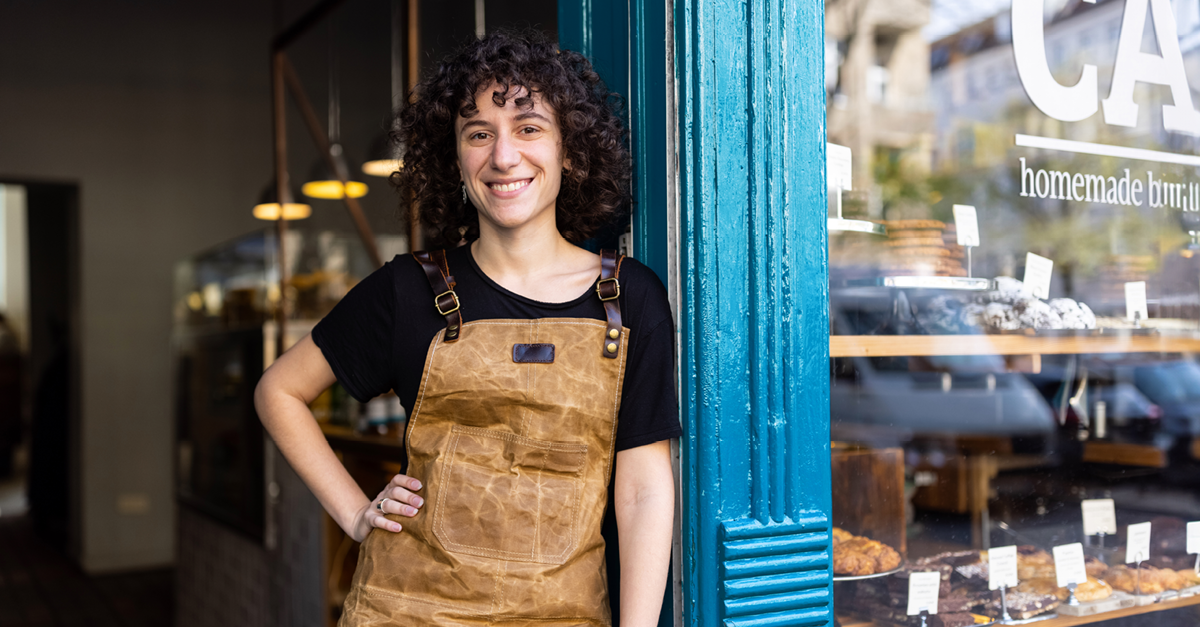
(1175, 387)
(877, 399)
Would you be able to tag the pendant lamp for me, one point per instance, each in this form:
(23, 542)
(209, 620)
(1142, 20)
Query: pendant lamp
(387, 154)
(268, 206)
(322, 182)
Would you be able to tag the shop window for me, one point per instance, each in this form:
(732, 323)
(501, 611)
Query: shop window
(1015, 346)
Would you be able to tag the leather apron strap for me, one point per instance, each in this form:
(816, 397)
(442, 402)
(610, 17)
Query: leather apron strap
(442, 282)
(608, 288)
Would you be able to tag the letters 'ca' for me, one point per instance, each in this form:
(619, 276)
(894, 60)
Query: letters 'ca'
(1079, 101)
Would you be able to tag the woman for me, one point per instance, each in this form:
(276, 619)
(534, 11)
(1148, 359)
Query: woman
(533, 386)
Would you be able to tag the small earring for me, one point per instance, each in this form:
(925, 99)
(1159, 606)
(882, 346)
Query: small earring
(464, 193)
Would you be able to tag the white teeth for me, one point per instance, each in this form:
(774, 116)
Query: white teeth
(509, 187)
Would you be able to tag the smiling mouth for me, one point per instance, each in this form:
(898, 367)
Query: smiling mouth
(509, 187)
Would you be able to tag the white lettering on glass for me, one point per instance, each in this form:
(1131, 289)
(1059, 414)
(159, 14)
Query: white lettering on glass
(1135, 66)
(1079, 101)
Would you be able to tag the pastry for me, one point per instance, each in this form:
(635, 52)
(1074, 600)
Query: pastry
(1023, 605)
(1038, 565)
(1010, 291)
(1001, 316)
(908, 242)
(901, 225)
(1072, 314)
(909, 233)
(1190, 577)
(936, 252)
(1036, 314)
(1091, 590)
(858, 556)
(1126, 579)
(1095, 568)
(840, 534)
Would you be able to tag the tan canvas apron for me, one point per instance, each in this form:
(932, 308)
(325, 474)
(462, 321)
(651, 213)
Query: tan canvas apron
(512, 436)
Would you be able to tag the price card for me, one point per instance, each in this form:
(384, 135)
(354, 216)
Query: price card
(1099, 516)
(1137, 543)
(1135, 300)
(837, 164)
(1038, 271)
(1069, 567)
(1002, 567)
(923, 591)
(1193, 537)
(966, 224)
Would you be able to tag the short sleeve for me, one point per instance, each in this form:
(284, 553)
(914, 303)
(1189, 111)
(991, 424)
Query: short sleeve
(649, 407)
(356, 337)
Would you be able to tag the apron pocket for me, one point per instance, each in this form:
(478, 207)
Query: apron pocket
(509, 497)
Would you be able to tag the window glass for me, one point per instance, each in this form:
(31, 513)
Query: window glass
(1014, 281)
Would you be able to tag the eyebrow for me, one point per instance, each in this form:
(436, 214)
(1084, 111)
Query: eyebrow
(525, 115)
(531, 114)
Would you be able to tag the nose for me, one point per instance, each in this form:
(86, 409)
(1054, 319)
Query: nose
(505, 154)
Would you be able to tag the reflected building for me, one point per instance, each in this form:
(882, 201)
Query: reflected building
(877, 82)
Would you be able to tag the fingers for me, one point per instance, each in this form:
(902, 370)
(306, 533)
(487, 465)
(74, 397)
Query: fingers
(380, 521)
(400, 489)
(397, 499)
(397, 505)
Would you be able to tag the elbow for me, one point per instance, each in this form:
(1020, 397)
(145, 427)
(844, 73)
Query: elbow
(262, 396)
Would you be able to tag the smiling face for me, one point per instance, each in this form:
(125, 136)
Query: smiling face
(510, 158)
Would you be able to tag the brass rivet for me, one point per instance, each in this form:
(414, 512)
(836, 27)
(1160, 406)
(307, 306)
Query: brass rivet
(452, 334)
(612, 347)
(453, 328)
(614, 334)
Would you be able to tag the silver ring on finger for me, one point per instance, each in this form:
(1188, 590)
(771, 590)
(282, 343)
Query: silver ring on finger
(379, 505)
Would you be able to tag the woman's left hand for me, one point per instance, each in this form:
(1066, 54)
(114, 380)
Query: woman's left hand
(396, 498)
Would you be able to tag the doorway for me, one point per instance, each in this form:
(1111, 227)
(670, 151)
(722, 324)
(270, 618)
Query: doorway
(41, 307)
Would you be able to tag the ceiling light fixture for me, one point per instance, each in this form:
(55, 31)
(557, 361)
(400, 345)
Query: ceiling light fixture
(268, 206)
(322, 182)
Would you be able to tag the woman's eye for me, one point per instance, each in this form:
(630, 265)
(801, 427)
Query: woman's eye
(530, 130)
(478, 136)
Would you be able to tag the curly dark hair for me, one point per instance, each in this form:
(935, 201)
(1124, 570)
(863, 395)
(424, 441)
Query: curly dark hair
(595, 190)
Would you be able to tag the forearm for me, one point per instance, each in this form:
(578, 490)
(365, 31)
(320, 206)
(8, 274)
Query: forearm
(645, 521)
(298, 436)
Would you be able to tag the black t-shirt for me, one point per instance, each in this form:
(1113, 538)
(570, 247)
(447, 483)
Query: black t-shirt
(377, 337)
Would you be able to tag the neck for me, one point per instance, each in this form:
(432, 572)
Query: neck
(526, 252)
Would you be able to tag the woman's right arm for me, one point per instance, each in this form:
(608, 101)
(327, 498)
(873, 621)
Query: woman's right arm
(282, 399)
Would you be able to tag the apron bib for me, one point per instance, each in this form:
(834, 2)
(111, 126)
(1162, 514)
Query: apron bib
(512, 437)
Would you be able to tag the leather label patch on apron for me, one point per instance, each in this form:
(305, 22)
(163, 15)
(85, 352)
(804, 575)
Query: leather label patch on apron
(533, 353)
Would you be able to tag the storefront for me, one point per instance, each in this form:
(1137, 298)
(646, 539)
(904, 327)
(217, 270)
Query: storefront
(1013, 305)
(968, 322)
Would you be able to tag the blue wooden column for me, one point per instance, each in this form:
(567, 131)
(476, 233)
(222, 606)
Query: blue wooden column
(754, 312)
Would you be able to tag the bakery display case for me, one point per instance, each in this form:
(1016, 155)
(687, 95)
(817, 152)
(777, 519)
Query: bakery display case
(224, 337)
(1015, 314)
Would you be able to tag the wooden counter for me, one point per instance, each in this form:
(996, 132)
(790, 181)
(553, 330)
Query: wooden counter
(370, 446)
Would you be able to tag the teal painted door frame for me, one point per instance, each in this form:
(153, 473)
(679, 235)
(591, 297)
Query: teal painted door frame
(754, 311)
(753, 284)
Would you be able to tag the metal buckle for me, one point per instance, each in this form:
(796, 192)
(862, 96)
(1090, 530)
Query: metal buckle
(438, 304)
(616, 285)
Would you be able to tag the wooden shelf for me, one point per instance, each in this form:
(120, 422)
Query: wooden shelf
(376, 447)
(1070, 621)
(933, 345)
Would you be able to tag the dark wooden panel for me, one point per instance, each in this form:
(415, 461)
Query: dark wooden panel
(868, 493)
